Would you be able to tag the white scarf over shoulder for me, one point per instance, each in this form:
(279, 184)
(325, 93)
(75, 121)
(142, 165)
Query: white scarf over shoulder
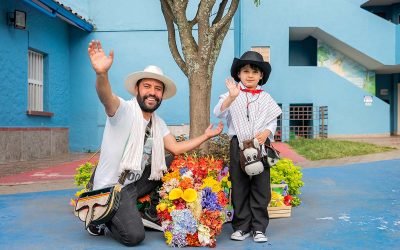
(133, 152)
(262, 109)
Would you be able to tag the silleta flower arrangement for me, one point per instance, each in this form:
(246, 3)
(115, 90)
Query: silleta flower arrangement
(194, 201)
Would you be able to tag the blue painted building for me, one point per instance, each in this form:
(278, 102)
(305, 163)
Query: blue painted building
(338, 57)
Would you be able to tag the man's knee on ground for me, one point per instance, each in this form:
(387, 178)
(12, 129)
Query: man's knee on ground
(133, 238)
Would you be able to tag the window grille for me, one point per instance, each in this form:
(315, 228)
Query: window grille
(303, 120)
(35, 81)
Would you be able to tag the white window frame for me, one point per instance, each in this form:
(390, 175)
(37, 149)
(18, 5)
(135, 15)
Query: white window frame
(35, 80)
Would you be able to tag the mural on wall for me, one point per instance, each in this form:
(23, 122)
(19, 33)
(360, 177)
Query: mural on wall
(345, 67)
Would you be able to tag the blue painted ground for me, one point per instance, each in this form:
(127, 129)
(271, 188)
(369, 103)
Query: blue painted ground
(348, 207)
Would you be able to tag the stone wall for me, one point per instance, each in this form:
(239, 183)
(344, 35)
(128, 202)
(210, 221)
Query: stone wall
(20, 144)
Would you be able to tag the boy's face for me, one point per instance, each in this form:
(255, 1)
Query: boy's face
(250, 77)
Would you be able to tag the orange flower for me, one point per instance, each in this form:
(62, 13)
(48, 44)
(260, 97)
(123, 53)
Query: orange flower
(186, 183)
(144, 199)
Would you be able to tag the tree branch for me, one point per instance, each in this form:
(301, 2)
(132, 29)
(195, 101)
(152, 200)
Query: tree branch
(169, 20)
(220, 12)
(217, 45)
(195, 19)
(226, 19)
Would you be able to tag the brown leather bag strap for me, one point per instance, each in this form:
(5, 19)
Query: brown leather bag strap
(89, 185)
(124, 175)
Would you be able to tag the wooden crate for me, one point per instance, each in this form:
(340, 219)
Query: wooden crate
(279, 212)
(282, 211)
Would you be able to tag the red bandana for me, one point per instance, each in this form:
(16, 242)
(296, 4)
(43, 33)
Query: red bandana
(252, 91)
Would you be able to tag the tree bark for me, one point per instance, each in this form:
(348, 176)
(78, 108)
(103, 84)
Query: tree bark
(198, 57)
(200, 94)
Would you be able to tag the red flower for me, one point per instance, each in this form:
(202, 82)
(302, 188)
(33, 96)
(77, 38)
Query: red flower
(287, 200)
(222, 200)
(164, 215)
(193, 240)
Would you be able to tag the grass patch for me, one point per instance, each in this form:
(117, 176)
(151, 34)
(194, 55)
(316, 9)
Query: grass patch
(319, 149)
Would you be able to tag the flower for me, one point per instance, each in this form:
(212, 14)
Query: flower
(189, 195)
(175, 193)
(194, 201)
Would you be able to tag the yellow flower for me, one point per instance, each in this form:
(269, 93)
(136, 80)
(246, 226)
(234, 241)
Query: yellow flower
(175, 193)
(168, 237)
(189, 195)
(161, 207)
(78, 193)
(171, 208)
(212, 183)
(173, 175)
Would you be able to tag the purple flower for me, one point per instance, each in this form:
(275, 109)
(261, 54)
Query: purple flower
(179, 240)
(183, 170)
(209, 200)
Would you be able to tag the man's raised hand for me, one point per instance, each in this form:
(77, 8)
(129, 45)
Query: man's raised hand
(101, 63)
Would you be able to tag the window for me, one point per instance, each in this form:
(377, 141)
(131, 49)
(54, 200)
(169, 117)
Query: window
(35, 81)
(264, 51)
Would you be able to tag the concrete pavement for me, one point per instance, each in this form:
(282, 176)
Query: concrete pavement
(344, 207)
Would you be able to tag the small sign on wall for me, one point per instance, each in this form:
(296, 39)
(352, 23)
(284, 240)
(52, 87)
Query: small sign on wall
(384, 92)
(264, 51)
(368, 100)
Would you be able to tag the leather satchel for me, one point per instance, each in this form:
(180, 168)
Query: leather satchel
(99, 206)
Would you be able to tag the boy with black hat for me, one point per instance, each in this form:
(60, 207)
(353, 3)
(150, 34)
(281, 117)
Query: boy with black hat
(251, 114)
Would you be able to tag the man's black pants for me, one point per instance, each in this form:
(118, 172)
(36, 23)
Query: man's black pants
(126, 226)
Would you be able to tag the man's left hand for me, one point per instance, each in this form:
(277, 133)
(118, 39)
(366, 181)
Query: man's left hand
(210, 132)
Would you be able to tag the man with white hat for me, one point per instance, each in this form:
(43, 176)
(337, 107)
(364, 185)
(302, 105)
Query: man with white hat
(125, 147)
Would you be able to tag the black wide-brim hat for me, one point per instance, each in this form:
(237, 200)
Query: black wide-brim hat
(251, 57)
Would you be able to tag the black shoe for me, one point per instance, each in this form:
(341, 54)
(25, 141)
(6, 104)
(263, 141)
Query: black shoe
(96, 230)
(150, 219)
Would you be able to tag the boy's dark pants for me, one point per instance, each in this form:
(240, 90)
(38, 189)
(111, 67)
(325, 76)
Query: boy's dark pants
(250, 195)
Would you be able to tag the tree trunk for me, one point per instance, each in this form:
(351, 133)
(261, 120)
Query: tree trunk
(200, 93)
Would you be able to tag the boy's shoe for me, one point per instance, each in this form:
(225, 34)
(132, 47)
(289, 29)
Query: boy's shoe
(96, 230)
(258, 236)
(239, 235)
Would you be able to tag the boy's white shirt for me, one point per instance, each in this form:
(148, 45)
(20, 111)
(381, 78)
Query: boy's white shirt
(271, 126)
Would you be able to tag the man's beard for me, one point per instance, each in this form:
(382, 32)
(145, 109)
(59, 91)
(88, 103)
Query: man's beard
(144, 107)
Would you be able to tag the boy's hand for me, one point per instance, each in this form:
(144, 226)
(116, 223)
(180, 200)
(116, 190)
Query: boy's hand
(209, 132)
(262, 136)
(233, 87)
(101, 63)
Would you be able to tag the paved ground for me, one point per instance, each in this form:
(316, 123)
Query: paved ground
(350, 203)
(344, 207)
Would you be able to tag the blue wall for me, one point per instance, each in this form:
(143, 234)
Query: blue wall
(342, 19)
(137, 33)
(46, 35)
(138, 36)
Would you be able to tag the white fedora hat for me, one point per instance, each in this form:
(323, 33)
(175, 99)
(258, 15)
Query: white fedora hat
(153, 72)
